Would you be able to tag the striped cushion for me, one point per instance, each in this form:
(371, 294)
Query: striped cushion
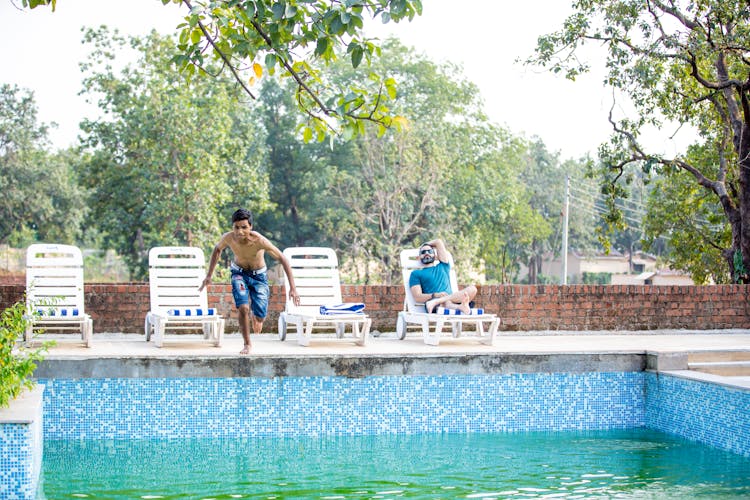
(63, 312)
(455, 312)
(192, 312)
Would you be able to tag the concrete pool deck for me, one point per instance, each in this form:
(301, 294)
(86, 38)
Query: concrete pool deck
(129, 355)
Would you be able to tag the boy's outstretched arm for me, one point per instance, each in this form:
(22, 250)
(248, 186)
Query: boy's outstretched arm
(276, 254)
(212, 265)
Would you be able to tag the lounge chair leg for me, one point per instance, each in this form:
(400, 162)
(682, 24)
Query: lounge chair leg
(89, 329)
(365, 331)
(159, 328)
(401, 326)
(304, 334)
(432, 337)
(490, 338)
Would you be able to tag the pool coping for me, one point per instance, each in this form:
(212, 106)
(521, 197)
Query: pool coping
(129, 356)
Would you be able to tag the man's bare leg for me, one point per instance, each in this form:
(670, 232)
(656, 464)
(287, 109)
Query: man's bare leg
(244, 320)
(457, 300)
(257, 325)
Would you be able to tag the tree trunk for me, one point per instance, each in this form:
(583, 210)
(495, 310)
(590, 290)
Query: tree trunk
(741, 267)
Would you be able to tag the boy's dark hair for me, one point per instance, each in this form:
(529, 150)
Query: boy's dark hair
(242, 214)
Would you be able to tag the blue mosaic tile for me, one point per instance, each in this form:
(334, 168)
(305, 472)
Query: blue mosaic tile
(16, 461)
(313, 406)
(711, 414)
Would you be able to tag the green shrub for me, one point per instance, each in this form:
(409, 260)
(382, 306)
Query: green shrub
(17, 362)
(597, 278)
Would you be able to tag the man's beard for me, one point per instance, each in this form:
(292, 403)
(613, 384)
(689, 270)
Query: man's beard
(427, 259)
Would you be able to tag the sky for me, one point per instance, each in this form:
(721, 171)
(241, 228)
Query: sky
(42, 51)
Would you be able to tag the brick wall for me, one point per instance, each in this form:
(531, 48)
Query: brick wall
(121, 307)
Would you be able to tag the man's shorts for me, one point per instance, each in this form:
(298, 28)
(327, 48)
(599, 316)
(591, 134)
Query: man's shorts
(250, 287)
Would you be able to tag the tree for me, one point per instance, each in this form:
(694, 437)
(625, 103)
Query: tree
(297, 172)
(683, 62)
(296, 38)
(696, 233)
(391, 191)
(169, 162)
(41, 197)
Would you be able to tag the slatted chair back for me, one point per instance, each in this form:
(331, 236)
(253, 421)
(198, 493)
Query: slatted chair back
(54, 280)
(316, 277)
(175, 275)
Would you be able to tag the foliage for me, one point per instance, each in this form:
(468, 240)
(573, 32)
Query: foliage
(296, 172)
(169, 162)
(297, 39)
(41, 197)
(694, 228)
(450, 173)
(681, 61)
(17, 365)
(602, 278)
(390, 191)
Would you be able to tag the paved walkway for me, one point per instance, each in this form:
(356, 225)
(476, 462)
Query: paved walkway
(109, 345)
(134, 345)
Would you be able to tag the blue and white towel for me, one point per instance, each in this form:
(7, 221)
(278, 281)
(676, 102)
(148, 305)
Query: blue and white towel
(455, 312)
(192, 312)
(345, 308)
(62, 312)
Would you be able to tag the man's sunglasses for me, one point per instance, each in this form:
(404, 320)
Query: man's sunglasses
(427, 251)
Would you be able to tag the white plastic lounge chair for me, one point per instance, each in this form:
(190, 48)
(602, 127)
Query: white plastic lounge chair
(54, 290)
(316, 277)
(432, 325)
(175, 274)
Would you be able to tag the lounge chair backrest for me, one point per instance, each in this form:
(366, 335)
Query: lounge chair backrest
(316, 277)
(409, 262)
(54, 279)
(175, 274)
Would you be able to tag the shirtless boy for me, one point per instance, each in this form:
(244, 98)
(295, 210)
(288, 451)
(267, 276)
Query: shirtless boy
(249, 279)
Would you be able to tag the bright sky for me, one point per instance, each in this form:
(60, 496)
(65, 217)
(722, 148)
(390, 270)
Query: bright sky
(43, 49)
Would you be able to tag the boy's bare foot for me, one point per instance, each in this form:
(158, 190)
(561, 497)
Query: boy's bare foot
(246, 349)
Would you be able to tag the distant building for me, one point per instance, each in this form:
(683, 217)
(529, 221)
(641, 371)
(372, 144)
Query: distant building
(621, 269)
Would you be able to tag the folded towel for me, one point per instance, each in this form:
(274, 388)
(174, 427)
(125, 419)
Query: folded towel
(345, 308)
(455, 312)
(192, 312)
(63, 312)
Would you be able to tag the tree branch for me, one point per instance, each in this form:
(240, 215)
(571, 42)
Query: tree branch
(223, 56)
(289, 68)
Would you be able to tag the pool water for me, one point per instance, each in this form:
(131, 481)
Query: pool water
(637, 463)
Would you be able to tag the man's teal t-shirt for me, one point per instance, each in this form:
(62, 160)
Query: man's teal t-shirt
(433, 279)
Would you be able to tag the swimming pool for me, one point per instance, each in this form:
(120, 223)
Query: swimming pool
(127, 409)
(633, 463)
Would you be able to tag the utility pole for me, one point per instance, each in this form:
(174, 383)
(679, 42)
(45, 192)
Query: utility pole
(564, 252)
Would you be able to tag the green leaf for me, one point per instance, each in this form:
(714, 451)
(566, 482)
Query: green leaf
(336, 26)
(250, 10)
(270, 61)
(322, 46)
(357, 56)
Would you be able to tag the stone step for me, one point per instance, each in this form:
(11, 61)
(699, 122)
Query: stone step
(718, 356)
(722, 368)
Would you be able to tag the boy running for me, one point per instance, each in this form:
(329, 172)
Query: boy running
(249, 279)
